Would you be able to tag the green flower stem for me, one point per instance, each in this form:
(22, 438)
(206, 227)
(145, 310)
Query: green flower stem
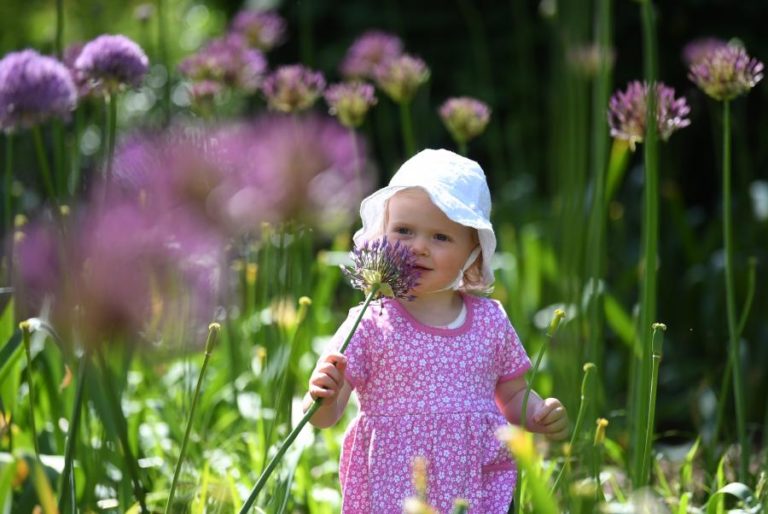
(74, 153)
(734, 336)
(8, 185)
(656, 345)
(122, 432)
(462, 148)
(42, 160)
(553, 326)
(163, 51)
(650, 243)
(111, 133)
(59, 29)
(307, 416)
(67, 480)
(589, 368)
(406, 125)
(213, 332)
(26, 332)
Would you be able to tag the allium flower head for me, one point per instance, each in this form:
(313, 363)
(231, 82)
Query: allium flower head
(401, 77)
(111, 62)
(368, 52)
(379, 264)
(263, 29)
(293, 88)
(697, 49)
(726, 72)
(465, 117)
(227, 60)
(350, 102)
(33, 89)
(627, 112)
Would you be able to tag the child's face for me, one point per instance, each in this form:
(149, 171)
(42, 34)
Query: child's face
(441, 245)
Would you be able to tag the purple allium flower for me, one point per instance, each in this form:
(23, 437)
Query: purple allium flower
(227, 60)
(33, 89)
(263, 29)
(401, 77)
(111, 62)
(71, 53)
(293, 88)
(368, 52)
(350, 102)
(465, 117)
(389, 268)
(726, 72)
(627, 112)
(694, 51)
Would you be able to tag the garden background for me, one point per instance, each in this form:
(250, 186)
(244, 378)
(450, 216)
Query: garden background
(570, 204)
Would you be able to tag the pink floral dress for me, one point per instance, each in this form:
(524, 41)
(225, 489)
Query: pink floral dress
(428, 392)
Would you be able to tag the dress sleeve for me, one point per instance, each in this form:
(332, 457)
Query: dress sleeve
(357, 372)
(511, 361)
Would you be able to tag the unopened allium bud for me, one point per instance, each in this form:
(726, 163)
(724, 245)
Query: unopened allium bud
(111, 62)
(518, 442)
(465, 117)
(726, 72)
(627, 112)
(390, 269)
(401, 77)
(602, 424)
(419, 476)
(350, 102)
(33, 89)
(263, 29)
(293, 88)
(587, 60)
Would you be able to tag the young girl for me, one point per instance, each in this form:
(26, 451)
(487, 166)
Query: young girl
(438, 375)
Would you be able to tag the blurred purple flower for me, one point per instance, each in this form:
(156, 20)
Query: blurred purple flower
(465, 117)
(229, 61)
(293, 88)
(350, 102)
(263, 29)
(726, 72)
(694, 51)
(33, 89)
(369, 51)
(71, 53)
(627, 111)
(401, 77)
(390, 268)
(304, 169)
(111, 62)
(122, 273)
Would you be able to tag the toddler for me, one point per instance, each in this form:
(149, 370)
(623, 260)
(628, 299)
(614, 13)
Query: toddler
(435, 376)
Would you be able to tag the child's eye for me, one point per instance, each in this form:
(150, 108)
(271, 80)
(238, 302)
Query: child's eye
(442, 237)
(402, 231)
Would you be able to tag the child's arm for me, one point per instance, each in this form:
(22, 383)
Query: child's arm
(327, 382)
(547, 417)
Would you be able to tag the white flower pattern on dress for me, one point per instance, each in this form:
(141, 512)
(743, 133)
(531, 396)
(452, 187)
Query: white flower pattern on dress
(427, 391)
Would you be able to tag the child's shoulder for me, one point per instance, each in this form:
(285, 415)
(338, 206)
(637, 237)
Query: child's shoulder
(489, 308)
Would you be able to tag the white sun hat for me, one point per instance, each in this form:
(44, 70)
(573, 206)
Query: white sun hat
(455, 184)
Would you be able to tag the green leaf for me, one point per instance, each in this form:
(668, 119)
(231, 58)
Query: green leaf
(743, 493)
(686, 470)
(618, 319)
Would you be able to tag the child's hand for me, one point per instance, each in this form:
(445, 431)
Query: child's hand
(328, 377)
(551, 419)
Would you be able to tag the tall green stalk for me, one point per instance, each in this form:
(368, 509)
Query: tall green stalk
(67, 480)
(589, 369)
(162, 48)
(261, 482)
(650, 243)
(26, 336)
(59, 29)
(553, 326)
(111, 134)
(42, 160)
(656, 345)
(213, 331)
(734, 336)
(406, 127)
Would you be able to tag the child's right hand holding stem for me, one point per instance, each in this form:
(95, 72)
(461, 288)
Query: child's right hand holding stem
(327, 383)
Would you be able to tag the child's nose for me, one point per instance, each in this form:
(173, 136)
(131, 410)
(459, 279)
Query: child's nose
(419, 246)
